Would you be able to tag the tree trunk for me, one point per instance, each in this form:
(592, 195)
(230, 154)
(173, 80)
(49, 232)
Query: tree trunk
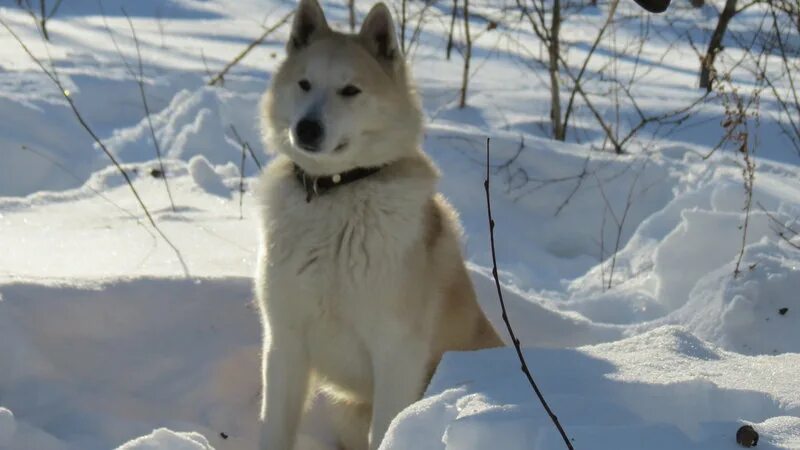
(452, 27)
(467, 56)
(403, 26)
(351, 7)
(707, 73)
(553, 53)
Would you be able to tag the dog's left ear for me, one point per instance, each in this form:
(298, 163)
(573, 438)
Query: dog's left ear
(309, 22)
(378, 35)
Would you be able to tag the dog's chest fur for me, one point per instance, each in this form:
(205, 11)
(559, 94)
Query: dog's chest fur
(346, 239)
(340, 261)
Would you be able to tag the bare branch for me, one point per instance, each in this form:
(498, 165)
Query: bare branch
(244, 144)
(245, 149)
(139, 77)
(581, 177)
(241, 183)
(72, 175)
(611, 10)
(785, 232)
(221, 75)
(514, 339)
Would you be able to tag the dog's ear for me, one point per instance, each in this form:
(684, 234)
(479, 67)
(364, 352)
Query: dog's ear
(378, 35)
(309, 22)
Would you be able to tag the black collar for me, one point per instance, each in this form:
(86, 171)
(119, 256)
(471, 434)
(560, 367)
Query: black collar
(316, 186)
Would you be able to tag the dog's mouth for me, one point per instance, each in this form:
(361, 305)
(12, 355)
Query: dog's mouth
(308, 148)
(342, 145)
(317, 149)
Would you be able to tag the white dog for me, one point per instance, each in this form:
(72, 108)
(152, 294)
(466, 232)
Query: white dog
(361, 282)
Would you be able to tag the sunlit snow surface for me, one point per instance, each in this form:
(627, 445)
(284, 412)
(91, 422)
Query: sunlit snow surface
(105, 342)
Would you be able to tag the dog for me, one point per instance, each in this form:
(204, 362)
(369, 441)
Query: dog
(361, 283)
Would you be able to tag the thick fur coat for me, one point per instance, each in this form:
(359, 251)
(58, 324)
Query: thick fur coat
(363, 287)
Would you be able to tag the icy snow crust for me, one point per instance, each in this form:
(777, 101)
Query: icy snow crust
(105, 343)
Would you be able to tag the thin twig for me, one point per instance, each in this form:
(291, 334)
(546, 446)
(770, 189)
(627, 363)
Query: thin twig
(602, 247)
(785, 232)
(140, 82)
(160, 24)
(245, 145)
(54, 9)
(789, 70)
(611, 10)
(221, 75)
(241, 182)
(581, 177)
(620, 222)
(413, 41)
(139, 77)
(609, 133)
(205, 65)
(514, 339)
(80, 180)
(645, 120)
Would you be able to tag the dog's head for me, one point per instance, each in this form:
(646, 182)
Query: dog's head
(341, 101)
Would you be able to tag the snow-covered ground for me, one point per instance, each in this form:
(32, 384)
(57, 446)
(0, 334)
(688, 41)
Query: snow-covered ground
(110, 338)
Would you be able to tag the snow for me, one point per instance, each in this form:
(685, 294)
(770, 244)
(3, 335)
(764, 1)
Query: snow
(630, 394)
(7, 426)
(168, 439)
(106, 342)
(206, 178)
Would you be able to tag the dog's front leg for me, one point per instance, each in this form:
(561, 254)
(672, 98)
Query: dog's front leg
(286, 377)
(400, 378)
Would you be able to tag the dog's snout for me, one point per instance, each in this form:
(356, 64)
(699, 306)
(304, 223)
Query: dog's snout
(309, 133)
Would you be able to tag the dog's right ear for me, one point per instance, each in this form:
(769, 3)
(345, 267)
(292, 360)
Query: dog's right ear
(309, 22)
(378, 35)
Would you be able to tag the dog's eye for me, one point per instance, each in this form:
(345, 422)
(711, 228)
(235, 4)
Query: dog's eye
(349, 91)
(304, 85)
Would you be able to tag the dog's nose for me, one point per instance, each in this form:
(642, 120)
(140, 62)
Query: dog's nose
(309, 133)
